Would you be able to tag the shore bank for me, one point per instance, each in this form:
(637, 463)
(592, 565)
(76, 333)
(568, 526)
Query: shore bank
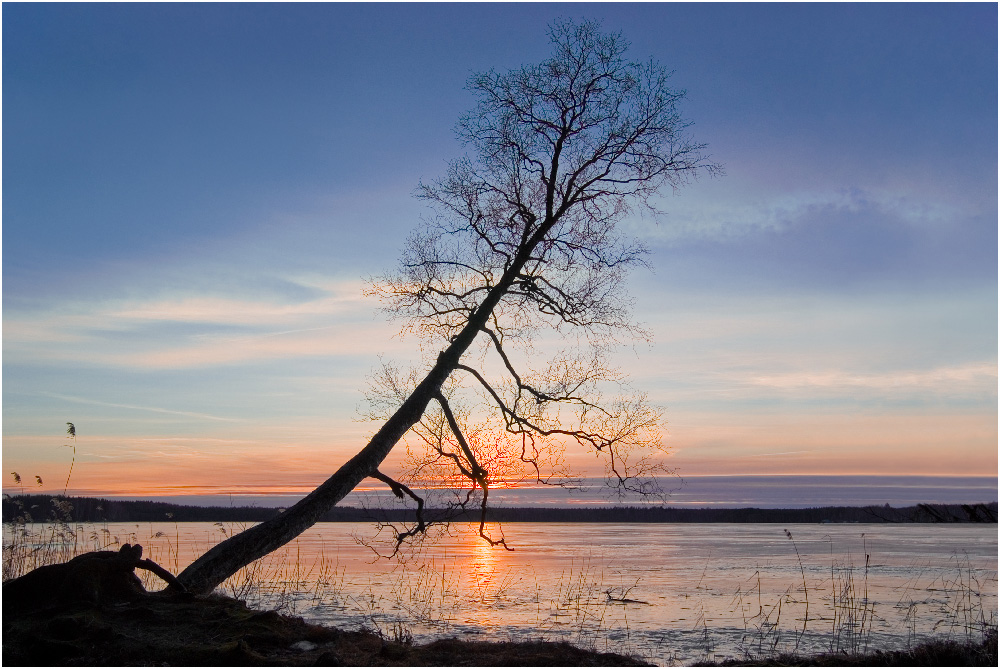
(942, 653)
(218, 631)
(166, 630)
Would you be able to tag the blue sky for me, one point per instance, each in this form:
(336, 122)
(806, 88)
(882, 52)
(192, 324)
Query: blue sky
(194, 193)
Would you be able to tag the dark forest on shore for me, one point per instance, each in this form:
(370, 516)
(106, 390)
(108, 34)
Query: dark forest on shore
(45, 508)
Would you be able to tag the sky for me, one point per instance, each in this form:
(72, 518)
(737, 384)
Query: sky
(194, 195)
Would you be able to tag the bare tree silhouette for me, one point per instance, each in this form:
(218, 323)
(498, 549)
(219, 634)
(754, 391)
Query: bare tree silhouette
(524, 241)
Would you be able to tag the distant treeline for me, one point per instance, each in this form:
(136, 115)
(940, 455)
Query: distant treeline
(43, 508)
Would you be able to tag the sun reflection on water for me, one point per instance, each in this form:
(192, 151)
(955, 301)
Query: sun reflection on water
(489, 576)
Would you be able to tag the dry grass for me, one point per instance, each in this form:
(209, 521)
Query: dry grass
(965, 629)
(938, 653)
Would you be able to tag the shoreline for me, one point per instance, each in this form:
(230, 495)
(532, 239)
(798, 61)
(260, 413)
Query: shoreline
(215, 631)
(38, 508)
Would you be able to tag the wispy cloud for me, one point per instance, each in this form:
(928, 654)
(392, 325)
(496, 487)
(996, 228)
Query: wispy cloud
(694, 219)
(187, 332)
(347, 339)
(135, 407)
(337, 299)
(972, 377)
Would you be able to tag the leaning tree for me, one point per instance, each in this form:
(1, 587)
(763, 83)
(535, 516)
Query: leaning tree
(524, 246)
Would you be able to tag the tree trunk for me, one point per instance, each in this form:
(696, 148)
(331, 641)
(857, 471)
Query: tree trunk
(224, 559)
(227, 557)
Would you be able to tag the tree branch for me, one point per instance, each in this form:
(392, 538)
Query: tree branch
(399, 490)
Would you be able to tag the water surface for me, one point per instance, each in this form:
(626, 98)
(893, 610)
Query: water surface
(673, 593)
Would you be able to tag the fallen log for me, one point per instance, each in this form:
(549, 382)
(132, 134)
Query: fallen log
(99, 577)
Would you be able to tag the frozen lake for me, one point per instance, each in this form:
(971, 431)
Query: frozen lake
(672, 593)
